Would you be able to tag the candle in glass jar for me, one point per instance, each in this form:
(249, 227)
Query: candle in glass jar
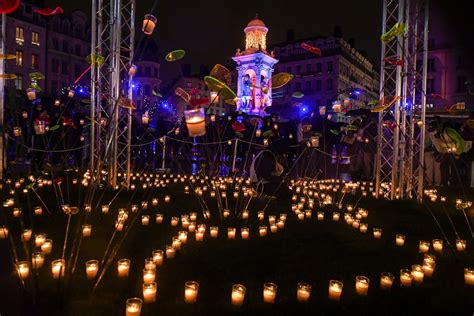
(159, 218)
(262, 231)
(176, 243)
(406, 277)
(356, 224)
(424, 246)
(281, 224)
(170, 252)
(428, 268)
(418, 274)
(193, 216)
(154, 202)
(273, 228)
(192, 227)
(238, 294)
(231, 233)
(244, 232)
(377, 233)
(214, 231)
(150, 264)
(133, 307)
(199, 236)
(386, 280)
(149, 292)
(92, 267)
(86, 230)
(174, 221)
(157, 256)
(335, 216)
(261, 215)
(191, 289)
(269, 292)
(167, 199)
(363, 227)
(303, 291)
(58, 268)
(460, 244)
(47, 246)
(26, 235)
(39, 239)
(23, 268)
(469, 276)
(301, 216)
(362, 285)
(145, 220)
(245, 214)
(437, 245)
(320, 216)
(183, 236)
(37, 260)
(400, 239)
(149, 275)
(335, 290)
(123, 267)
(38, 210)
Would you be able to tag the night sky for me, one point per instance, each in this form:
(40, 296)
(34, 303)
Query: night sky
(211, 30)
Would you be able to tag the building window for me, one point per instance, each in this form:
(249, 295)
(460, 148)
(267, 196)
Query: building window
(78, 50)
(308, 85)
(139, 104)
(329, 66)
(461, 84)
(77, 70)
(318, 85)
(147, 71)
(431, 65)
(65, 46)
(431, 43)
(329, 84)
(430, 86)
(318, 102)
(308, 68)
(156, 72)
(34, 61)
(55, 44)
(64, 68)
(19, 35)
(54, 86)
(147, 91)
(298, 70)
(189, 84)
(288, 70)
(35, 38)
(298, 86)
(319, 68)
(19, 82)
(54, 65)
(19, 58)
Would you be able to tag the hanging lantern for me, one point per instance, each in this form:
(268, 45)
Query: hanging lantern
(17, 131)
(214, 97)
(322, 110)
(149, 23)
(314, 141)
(57, 103)
(40, 127)
(132, 71)
(258, 133)
(336, 106)
(213, 118)
(71, 93)
(24, 114)
(195, 121)
(145, 118)
(31, 93)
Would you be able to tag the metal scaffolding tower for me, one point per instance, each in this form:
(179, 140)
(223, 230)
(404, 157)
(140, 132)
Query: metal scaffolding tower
(113, 36)
(400, 155)
(3, 23)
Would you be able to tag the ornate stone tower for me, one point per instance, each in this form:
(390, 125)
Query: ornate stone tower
(255, 68)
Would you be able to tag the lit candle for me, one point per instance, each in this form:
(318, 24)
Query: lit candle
(23, 268)
(356, 224)
(167, 199)
(400, 239)
(335, 290)
(424, 246)
(154, 202)
(231, 233)
(261, 215)
(238, 294)
(363, 227)
(199, 236)
(39, 239)
(273, 228)
(158, 257)
(191, 289)
(92, 267)
(176, 243)
(386, 280)
(406, 277)
(149, 292)
(192, 227)
(58, 268)
(269, 292)
(47, 246)
(145, 220)
(226, 213)
(460, 244)
(418, 274)
(335, 216)
(214, 231)
(303, 292)
(245, 214)
(262, 231)
(377, 233)
(271, 219)
(281, 224)
(105, 209)
(362, 285)
(244, 232)
(193, 216)
(320, 216)
(150, 264)
(86, 230)
(149, 275)
(159, 218)
(183, 236)
(174, 221)
(133, 307)
(428, 268)
(38, 210)
(123, 267)
(301, 216)
(170, 252)
(469, 276)
(438, 245)
(26, 235)
(37, 260)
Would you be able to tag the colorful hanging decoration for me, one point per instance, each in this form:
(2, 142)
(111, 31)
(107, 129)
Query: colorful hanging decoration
(7, 76)
(297, 95)
(385, 103)
(281, 79)
(196, 102)
(221, 73)
(182, 94)
(397, 30)
(7, 56)
(238, 127)
(36, 76)
(220, 87)
(49, 11)
(311, 49)
(175, 55)
(393, 61)
(460, 106)
(8, 6)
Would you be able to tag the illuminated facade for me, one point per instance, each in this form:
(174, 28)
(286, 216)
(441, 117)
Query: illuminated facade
(254, 70)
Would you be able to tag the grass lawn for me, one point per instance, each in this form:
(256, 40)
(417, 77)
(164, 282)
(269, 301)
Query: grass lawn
(306, 250)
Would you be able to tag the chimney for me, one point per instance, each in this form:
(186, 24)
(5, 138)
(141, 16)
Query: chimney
(290, 35)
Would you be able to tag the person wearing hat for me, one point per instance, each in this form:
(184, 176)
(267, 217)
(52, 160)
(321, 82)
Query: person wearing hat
(268, 167)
